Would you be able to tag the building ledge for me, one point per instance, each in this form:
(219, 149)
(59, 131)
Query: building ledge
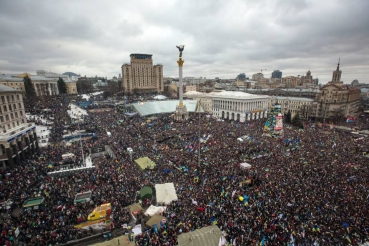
(16, 132)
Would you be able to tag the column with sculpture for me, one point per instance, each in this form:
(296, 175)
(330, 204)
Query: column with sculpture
(181, 113)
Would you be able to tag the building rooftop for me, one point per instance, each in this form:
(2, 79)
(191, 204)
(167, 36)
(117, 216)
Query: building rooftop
(191, 93)
(236, 95)
(164, 107)
(141, 56)
(4, 88)
(294, 98)
(19, 78)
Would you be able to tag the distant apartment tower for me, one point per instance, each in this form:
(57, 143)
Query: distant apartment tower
(141, 75)
(277, 74)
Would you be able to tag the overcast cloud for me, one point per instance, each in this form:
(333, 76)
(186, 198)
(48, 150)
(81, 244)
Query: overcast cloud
(221, 38)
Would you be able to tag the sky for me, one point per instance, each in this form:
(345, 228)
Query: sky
(222, 38)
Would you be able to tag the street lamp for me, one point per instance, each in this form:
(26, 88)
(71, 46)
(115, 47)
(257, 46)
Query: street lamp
(80, 139)
(199, 140)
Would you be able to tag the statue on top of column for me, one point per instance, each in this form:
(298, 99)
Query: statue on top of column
(180, 48)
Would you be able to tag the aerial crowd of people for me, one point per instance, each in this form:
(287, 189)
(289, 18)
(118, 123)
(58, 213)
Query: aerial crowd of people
(307, 187)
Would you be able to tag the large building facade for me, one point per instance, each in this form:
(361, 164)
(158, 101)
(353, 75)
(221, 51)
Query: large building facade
(239, 106)
(336, 99)
(17, 137)
(45, 83)
(295, 105)
(233, 105)
(141, 76)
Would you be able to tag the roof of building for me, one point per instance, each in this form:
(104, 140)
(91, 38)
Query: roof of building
(236, 95)
(163, 107)
(190, 93)
(4, 88)
(294, 99)
(19, 78)
(10, 77)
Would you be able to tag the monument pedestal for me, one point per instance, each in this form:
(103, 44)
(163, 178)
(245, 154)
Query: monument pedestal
(181, 113)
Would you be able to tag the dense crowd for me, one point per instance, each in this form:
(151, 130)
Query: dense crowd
(309, 187)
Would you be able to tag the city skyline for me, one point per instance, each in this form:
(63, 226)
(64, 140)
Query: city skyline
(222, 38)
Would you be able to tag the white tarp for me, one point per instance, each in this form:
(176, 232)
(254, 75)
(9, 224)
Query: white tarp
(155, 210)
(96, 227)
(109, 134)
(67, 155)
(245, 165)
(137, 230)
(165, 193)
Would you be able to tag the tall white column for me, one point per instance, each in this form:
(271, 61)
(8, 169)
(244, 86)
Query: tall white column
(180, 84)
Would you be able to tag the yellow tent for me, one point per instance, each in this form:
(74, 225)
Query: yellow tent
(135, 208)
(155, 220)
(144, 163)
(206, 236)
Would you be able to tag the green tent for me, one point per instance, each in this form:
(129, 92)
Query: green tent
(145, 192)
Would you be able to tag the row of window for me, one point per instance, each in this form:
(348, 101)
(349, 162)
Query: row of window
(9, 98)
(13, 124)
(12, 116)
(5, 108)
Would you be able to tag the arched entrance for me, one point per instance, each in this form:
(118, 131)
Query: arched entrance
(232, 116)
(238, 117)
(227, 115)
(223, 114)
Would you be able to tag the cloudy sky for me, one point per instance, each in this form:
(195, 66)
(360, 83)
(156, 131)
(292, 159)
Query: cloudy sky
(222, 38)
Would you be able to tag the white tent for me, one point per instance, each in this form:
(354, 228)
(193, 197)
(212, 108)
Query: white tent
(67, 155)
(160, 97)
(165, 193)
(155, 210)
(245, 165)
(109, 134)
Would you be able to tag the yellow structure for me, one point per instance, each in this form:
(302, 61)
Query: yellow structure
(100, 212)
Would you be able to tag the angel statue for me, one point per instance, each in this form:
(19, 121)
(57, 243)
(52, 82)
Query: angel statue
(180, 48)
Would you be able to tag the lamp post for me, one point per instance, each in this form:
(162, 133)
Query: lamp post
(199, 139)
(80, 139)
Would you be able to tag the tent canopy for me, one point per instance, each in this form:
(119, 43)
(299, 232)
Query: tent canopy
(135, 208)
(160, 97)
(165, 193)
(144, 163)
(145, 192)
(206, 236)
(152, 210)
(245, 165)
(155, 220)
